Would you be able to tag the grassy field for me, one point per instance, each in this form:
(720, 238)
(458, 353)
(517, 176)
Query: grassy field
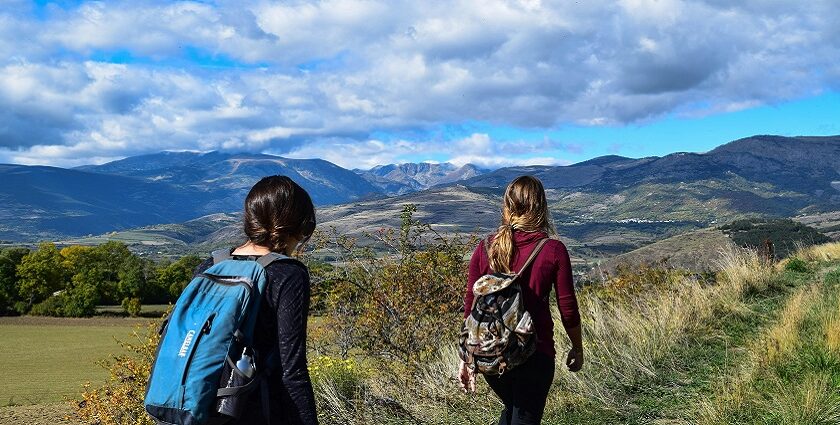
(45, 360)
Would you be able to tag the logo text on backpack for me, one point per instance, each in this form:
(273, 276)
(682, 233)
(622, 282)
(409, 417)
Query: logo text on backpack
(186, 345)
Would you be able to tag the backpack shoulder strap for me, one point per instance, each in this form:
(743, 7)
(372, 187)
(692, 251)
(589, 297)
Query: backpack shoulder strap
(269, 258)
(533, 255)
(220, 255)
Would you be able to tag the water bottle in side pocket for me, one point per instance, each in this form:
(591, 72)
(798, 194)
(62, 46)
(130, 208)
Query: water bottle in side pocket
(239, 375)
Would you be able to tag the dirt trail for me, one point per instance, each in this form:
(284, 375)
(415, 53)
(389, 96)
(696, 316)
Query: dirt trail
(41, 414)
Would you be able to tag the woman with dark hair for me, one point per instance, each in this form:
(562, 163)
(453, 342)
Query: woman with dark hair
(525, 222)
(279, 217)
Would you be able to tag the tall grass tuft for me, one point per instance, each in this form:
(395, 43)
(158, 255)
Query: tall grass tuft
(818, 253)
(816, 402)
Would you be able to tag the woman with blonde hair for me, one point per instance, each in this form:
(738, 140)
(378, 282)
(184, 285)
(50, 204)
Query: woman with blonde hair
(525, 223)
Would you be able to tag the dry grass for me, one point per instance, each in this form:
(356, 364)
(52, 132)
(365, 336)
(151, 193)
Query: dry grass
(826, 252)
(781, 339)
(816, 402)
(832, 333)
(625, 342)
(628, 341)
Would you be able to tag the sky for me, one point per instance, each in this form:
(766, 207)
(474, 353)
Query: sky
(362, 83)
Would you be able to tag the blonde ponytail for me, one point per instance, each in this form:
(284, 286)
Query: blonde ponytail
(525, 209)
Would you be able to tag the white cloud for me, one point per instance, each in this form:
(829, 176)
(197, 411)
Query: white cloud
(477, 148)
(307, 77)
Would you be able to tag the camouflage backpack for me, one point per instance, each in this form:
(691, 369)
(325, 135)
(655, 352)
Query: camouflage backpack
(498, 334)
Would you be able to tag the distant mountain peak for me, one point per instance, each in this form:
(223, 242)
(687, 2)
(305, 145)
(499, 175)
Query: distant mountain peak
(397, 179)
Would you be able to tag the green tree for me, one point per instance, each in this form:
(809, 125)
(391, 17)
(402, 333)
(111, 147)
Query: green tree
(9, 260)
(177, 275)
(40, 274)
(82, 294)
(113, 260)
(131, 282)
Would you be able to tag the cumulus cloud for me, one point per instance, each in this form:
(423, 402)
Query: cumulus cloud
(109, 79)
(477, 149)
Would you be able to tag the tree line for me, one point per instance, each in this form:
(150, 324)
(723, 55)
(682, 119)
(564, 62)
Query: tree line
(73, 280)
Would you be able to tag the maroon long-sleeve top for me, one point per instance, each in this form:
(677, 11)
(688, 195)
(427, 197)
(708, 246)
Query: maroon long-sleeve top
(550, 269)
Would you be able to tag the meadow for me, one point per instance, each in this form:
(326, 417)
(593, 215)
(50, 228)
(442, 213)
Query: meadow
(49, 358)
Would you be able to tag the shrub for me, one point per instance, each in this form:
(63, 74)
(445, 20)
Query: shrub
(132, 306)
(346, 376)
(52, 306)
(795, 264)
(786, 235)
(396, 303)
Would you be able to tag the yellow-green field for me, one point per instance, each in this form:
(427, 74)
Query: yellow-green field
(45, 360)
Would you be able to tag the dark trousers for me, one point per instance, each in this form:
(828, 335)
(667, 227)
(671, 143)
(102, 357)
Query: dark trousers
(524, 390)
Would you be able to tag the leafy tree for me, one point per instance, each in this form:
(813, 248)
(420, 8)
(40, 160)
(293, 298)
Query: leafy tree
(82, 295)
(177, 275)
(131, 280)
(40, 274)
(113, 259)
(9, 260)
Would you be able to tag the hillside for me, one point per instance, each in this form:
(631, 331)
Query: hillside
(168, 187)
(757, 176)
(453, 209)
(226, 178)
(827, 223)
(695, 250)
(41, 202)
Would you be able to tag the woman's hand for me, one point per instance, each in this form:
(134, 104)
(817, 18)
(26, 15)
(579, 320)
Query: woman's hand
(466, 377)
(574, 360)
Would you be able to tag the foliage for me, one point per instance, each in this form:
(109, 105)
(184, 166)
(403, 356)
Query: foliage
(786, 235)
(40, 274)
(630, 281)
(9, 260)
(397, 303)
(175, 276)
(52, 306)
(345, 376)
(132, 306)
(74, 280)
(795, 264)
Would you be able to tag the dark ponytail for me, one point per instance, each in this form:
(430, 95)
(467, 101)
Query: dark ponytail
(275, 209)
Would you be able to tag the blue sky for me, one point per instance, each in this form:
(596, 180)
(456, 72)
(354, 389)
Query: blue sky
(362, 83)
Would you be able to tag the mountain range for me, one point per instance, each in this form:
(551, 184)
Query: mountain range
(399, 179)
(609, 204)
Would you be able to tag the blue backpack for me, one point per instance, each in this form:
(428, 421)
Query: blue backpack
(210, 326)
